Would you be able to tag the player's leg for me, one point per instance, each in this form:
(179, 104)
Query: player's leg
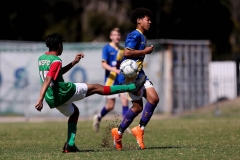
(70, 110)
(125, 107)
(109, 106)
(109, 90)
(124, 102)
(129, 117)
(131, 114)
(104, 111)
(151, 95)
(137, 131)
(127, 120)
(72, 126)
(152, 102)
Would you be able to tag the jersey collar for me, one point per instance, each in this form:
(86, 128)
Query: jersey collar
(115, 47)
(139, 31)
(50, 53)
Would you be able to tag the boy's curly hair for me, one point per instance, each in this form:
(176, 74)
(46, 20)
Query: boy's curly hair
(140, 13)
(53, 40)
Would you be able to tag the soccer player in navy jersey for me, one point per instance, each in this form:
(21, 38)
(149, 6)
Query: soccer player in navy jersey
(61, 95)
(136, 49)
(112, 55)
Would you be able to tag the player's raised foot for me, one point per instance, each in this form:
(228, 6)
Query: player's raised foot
(139, 83)
(96, 123)
(117, 139)
(67, 148)
(138, 133)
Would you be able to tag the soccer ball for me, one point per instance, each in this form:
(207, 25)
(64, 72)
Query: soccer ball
(129, 68)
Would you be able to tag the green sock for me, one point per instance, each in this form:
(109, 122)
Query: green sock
(122, 88)
(71, 141)
(72, 129)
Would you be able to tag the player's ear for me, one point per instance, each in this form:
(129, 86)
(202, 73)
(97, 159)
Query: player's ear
(138, 20)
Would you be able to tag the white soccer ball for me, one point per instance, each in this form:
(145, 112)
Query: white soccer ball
(129, 68)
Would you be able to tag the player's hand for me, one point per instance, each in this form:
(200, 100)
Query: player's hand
(39, 105)
(78, 57)
(149, 49)
(116, 70)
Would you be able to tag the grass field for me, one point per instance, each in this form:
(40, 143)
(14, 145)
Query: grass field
(195, 135)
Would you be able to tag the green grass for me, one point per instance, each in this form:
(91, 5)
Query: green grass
(197, 135)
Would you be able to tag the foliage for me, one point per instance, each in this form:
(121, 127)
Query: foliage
(91, 20)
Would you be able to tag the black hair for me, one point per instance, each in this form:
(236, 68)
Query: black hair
(53, 41)
(140, 13)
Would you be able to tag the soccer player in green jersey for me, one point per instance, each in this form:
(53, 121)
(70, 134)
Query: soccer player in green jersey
(61, 95)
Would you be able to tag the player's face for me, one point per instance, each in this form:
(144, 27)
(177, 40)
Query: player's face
(115, 37)
(145, 23)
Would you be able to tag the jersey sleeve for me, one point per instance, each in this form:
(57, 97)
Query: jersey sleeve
(54, 69)
(105, 53)
(132, 41)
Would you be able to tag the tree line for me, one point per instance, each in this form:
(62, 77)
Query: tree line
(91, 20)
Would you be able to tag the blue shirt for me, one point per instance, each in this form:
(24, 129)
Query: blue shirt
(113, 57)
(135, 41)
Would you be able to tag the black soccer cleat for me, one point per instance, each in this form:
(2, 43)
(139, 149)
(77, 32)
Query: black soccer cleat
(139, 83)
(67, 148)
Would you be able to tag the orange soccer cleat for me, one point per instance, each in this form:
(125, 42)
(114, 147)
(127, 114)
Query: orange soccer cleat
(117, 139)
(139, 133)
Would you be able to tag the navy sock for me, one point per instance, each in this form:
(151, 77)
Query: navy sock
(124, 110)
(127, 120)
(147, 114)
(103, 112)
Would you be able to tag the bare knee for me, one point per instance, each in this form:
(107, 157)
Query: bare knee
(110, 104)
(137, 107)
(154, 100)
(151, 96)
(109, 108)
(94, 89)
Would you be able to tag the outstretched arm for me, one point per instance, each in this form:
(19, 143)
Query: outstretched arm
(70, 65)
(136, 53)
(46, 83)
(109, 68)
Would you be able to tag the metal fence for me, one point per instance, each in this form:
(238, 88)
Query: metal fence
(190, 75)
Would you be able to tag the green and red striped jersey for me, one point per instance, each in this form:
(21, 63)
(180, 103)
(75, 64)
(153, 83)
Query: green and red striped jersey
(58, 91)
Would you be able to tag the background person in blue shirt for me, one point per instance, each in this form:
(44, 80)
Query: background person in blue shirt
(112, 55)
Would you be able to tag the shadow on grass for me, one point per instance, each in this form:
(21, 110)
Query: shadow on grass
(88, 150)
(96, 150)
(163, 147)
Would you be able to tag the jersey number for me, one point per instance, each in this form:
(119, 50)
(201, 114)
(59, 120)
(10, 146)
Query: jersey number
(43, 74)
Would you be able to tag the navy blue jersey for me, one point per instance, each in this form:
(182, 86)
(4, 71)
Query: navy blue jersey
(135, 41)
